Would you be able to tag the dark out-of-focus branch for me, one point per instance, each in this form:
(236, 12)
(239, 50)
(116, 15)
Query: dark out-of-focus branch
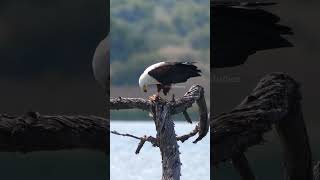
(35, 132)
(275, 101)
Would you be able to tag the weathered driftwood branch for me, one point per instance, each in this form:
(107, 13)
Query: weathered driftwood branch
(129, 103)
(180, 105)
(35, 132)
(196, 93)
(166, 138)
(143, 139)
(275, 101)
(153, 140)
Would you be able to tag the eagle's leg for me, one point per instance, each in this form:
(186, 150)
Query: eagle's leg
(173, 99)
(159, 87)
(166, 89)
(156, 96)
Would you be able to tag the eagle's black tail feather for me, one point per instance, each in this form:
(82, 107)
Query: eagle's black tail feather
(191, 69)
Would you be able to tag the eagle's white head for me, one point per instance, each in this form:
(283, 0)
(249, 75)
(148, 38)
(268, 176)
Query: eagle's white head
(143, 83)
(146, 80)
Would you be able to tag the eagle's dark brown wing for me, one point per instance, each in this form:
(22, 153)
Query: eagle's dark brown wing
(174, 72)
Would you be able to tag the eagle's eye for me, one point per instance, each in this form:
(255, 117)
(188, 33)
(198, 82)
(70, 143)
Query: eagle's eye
(144, 88)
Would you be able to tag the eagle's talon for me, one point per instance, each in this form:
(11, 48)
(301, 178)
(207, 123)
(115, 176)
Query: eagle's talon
(173, 100)
(157, 97)
(151, 98)
(154, 97)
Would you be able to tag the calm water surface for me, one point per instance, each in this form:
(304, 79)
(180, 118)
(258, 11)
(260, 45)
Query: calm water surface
(126, 165)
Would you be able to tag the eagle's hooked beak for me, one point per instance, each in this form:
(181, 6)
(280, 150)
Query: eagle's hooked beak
(144, 88)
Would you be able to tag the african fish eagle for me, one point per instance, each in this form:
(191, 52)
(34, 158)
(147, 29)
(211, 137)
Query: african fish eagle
(164, 74)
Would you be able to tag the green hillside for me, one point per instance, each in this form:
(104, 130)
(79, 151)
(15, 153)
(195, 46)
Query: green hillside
(148, 31)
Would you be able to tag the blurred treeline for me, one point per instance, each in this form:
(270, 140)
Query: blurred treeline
(148, 31)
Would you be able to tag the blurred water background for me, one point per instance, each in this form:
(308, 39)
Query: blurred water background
(125, 164)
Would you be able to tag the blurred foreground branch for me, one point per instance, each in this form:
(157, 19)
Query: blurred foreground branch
(35, 132)
(275, 101)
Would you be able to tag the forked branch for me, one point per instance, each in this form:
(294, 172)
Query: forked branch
(166, 138)
(179, 105)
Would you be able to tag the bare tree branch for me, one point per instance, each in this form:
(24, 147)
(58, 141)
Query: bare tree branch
(166, 138)
(244, 126)
(143, 139)
(185, 137)
(129, 103)
(180, 105)
(187, 117)
(168, 145)
(275, 101)
(35, 132)
(195, 94)
(153, 140)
